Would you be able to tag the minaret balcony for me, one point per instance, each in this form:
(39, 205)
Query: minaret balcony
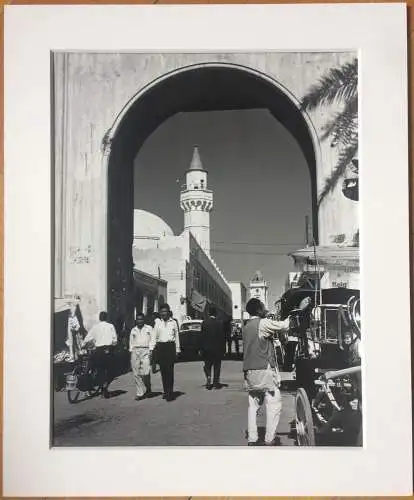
(186, 189)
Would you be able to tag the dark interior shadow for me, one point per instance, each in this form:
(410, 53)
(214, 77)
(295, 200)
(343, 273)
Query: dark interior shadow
(288, 385)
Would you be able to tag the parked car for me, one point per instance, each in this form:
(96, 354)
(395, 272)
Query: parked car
(190, 337)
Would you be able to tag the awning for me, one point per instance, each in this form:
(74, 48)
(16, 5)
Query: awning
(332, 258)
(198, 301)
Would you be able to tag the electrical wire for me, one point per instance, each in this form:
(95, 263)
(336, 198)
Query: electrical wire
(234, 252)
(247, 243)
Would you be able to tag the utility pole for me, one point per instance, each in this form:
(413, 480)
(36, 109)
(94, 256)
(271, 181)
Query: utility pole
(306, 230)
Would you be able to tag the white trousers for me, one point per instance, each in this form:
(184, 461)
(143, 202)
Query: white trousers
(140, 365)
(273, 406)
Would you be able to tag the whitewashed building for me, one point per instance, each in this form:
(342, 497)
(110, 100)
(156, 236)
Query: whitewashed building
(239, 298)
(194, 280)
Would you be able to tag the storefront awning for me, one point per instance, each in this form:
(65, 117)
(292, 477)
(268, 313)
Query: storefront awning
(332, 258)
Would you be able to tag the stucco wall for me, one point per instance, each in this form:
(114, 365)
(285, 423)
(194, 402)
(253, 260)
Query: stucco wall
(90, 90)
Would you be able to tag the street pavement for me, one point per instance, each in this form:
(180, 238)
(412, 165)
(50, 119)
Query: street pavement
(197, 417)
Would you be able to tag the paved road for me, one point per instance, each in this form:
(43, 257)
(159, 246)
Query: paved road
(196, 417)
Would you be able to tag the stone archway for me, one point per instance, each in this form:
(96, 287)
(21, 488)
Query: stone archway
(198, 87)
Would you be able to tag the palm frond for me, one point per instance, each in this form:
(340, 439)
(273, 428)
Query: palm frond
(345, 158)
(339, 84)
(343, 128)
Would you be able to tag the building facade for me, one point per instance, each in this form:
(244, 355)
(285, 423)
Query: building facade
(128, 96)
(239, 298)
(193, 279)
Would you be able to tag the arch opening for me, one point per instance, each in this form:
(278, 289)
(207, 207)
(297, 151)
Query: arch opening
(206, 87)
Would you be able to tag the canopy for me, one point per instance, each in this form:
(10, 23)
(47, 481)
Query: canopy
(331, 258)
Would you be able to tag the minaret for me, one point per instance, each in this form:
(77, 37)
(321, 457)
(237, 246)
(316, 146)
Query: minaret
(197, 202)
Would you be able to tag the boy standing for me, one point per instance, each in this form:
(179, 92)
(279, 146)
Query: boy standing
(262, 379)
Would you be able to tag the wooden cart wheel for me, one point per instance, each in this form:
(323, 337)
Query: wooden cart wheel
(305, 431)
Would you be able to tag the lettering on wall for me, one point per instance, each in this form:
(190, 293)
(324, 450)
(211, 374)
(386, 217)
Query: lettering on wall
(79, 255)
(339, 284)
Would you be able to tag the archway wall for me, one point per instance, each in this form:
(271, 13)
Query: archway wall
(90, 92)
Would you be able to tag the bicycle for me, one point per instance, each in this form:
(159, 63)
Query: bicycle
(83, 378)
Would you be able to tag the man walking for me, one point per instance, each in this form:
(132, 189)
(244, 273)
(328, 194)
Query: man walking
(154, 359)
(168, 346)
(213, 346)
(103, 337)
(262, 379)
(141, 346)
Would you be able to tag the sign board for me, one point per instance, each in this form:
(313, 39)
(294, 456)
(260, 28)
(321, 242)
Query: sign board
(340, 279)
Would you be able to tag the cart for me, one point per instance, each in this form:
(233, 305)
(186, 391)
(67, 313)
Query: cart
(327, 366)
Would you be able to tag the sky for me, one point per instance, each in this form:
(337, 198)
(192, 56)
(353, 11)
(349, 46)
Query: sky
(260, 182)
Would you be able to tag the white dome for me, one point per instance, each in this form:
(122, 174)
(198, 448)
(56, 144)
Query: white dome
(147, 224)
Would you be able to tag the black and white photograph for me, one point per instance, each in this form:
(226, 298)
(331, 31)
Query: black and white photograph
(206, 249)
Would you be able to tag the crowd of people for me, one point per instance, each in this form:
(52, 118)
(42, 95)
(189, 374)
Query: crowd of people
(159, 344)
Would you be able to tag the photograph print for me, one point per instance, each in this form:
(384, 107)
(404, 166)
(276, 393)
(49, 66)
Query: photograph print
(206, 249)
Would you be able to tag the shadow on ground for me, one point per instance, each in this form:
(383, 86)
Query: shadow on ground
(72, 423)
(115, 394)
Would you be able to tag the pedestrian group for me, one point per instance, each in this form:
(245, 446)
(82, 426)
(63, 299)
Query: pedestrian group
(159, 344)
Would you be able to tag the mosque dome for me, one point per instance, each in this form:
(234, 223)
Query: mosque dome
(147, 225)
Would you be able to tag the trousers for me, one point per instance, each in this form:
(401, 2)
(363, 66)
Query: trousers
(166, 357)
(212, 361)
(102, 360)
(273, 405)
(140, 364)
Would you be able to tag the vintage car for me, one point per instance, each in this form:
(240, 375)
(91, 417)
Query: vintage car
(328, 369)
(190, 337)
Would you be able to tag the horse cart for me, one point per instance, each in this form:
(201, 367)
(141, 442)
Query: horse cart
(327, 366)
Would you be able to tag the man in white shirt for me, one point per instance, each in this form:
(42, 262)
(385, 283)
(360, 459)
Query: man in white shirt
(168, 346)
(103, 337)
(262, 379)
(141, 346)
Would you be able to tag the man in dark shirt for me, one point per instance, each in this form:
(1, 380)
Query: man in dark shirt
(213, 343)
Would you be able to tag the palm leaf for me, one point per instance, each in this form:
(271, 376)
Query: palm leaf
(339, 84)
(343, 128)
(345, 158)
